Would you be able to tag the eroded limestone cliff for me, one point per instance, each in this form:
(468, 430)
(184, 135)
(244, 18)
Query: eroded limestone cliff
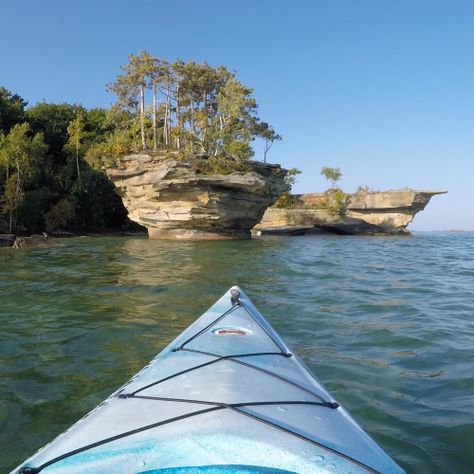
(391, 211)
(164, 194)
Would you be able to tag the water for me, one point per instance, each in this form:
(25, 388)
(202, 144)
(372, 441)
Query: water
(386, 323)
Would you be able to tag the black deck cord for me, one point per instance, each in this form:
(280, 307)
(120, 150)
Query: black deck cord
(223, 315)
(218, 358)
(235, 304)
(237, 407)
(232, 358)
(36, 470)
(262, 327)
(231, 405)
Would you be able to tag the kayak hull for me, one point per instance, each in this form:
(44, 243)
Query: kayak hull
(227, 395)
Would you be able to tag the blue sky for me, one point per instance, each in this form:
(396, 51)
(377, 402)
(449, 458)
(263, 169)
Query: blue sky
(383, 89)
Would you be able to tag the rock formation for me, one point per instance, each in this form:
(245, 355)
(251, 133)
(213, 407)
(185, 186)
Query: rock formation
(390, 211)
(164, 194)
(35, 241)
(355, 226)
(6, 240)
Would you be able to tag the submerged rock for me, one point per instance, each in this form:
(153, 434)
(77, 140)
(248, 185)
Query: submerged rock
(165, 195)
(35, 241)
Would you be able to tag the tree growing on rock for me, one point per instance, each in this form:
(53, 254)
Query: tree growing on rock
(335, 196)
(288, 200)
(331, 174)
(194, 107)
(265, 131)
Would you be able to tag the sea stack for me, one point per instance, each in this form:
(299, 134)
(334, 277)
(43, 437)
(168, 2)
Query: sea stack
(166, 195)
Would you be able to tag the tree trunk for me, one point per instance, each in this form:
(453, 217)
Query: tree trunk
(77, 161)
(268, 145)
(10, 218)
(205, 108)
(154, 118)
(178, 118)
(166, 128)
(165, 124)
(193, 126)
(142, 115)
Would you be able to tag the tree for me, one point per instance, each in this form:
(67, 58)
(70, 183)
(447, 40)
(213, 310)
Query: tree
(12, 109)
(60, 215)
(290, 178)
(76, 133)
(196, 106)
(336, 198)
(19, 155)
(265, 131)
(130, 86)
(288, 200)
(331, 174)
(52, 120)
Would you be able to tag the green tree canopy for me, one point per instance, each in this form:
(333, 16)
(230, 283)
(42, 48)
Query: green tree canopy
(331, 174)
(53, 120)
(20, 156)
(12, 109)
(195, 107)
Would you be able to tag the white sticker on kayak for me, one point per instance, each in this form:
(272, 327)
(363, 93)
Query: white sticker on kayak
(231, 331)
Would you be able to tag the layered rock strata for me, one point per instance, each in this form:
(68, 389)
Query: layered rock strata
(165, 195)
(390, 211)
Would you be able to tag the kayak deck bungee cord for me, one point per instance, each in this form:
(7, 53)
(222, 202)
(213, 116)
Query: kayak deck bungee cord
(227, 395)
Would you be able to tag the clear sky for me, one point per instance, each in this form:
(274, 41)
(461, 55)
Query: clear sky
(383, 89)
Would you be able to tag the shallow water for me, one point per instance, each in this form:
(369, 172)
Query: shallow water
(386, 323)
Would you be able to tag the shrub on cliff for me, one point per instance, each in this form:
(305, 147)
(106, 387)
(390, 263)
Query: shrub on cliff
(288, 200)
(336, 198)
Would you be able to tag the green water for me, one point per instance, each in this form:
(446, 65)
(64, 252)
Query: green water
(386, 323)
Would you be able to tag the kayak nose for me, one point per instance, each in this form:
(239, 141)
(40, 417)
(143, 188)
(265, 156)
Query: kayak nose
(234, 295)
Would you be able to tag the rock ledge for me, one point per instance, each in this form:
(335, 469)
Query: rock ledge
(164, 194)
(388, 212)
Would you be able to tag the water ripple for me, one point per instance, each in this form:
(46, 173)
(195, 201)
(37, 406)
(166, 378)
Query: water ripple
(386, 323)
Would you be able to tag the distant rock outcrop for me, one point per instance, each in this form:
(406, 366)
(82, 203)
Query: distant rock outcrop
(6, 240)
(35, 241)
(164, 194)
(354, 226)
(389, 211)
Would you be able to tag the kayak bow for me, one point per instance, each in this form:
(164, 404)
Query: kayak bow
(227, 395)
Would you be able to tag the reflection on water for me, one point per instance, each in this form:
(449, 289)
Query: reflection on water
(386, 323)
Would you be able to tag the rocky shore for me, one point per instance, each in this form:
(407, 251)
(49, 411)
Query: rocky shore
(35, 241)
